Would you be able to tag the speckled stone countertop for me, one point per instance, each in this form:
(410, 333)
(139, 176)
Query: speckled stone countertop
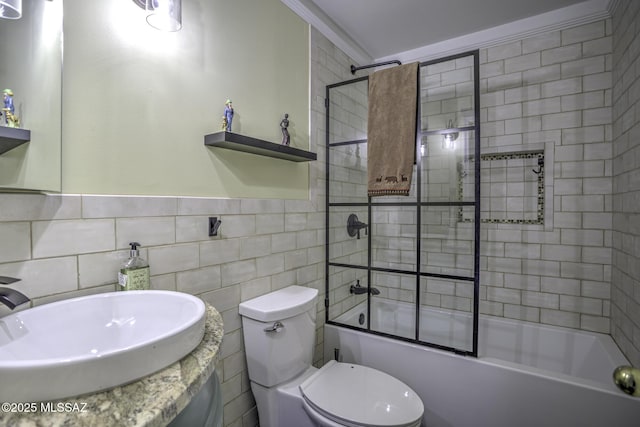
(152, 401)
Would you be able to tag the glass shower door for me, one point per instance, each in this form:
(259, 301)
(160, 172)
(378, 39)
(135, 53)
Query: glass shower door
(347, 203)
(411, 270)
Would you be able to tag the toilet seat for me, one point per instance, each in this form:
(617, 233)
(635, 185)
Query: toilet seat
(355, 395)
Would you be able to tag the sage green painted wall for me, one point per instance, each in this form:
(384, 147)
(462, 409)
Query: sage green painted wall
(31, 67)
(137, 102)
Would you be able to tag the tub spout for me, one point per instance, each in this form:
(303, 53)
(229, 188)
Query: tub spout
(357, 289)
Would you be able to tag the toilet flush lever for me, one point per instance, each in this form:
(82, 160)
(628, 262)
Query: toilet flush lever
(276, 327)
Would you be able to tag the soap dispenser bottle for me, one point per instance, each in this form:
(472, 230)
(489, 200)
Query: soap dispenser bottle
(134, 274)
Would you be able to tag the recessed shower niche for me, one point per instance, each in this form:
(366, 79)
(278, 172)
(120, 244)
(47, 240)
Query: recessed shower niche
(512, 188)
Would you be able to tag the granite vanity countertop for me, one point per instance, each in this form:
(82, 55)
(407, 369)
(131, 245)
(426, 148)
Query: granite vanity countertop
(152, 401)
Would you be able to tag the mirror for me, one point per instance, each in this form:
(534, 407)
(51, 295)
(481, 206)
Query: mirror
(31, 66)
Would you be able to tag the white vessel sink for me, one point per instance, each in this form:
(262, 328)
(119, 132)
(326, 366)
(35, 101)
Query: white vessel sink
(87, 344)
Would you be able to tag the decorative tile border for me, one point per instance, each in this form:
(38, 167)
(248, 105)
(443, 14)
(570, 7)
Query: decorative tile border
(507, 156)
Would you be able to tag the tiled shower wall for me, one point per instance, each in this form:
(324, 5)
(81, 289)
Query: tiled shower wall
(552, 92)
(71, 245)
(625, 281)
(549, 94)
(555, 93)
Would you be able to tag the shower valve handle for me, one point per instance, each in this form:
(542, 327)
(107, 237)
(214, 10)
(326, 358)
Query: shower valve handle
(354, 226)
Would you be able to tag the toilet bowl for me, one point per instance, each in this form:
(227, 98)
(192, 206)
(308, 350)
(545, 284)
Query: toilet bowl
(279, 336)
(355, 395)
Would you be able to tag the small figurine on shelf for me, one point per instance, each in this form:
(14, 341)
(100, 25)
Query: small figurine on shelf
(10, 119)
(284, 124)
(223, 125)
(228, 114)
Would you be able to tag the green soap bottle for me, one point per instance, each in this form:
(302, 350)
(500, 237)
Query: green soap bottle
(134, 274)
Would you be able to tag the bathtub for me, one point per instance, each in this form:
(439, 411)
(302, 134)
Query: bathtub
(527, 374)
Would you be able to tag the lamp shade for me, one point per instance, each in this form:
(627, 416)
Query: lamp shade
(10, 9)
(165, 15)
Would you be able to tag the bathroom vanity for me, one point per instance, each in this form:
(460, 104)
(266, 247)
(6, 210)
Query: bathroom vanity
(152, 401)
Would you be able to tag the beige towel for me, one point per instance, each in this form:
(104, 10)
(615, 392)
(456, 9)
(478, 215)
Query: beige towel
(391, 135)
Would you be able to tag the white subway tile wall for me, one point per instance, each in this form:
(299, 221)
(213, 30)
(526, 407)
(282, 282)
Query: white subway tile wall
(553, 88)
(625, 271)
(550, 94)
(72, 255)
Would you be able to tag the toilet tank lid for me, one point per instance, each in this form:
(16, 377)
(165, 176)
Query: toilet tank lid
(281, 304)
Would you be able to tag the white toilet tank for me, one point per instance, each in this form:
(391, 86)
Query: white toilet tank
(279, 334)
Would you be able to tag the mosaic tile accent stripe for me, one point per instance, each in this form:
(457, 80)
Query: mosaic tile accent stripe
(539, 171)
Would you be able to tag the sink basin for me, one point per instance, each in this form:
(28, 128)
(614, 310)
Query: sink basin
(87, 344)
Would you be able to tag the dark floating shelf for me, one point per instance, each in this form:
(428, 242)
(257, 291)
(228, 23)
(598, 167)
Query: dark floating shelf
(247, 144)
(10, 138)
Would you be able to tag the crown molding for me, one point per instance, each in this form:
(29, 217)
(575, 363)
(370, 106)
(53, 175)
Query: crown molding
(613, 5)
(570, 16)
(314, 16)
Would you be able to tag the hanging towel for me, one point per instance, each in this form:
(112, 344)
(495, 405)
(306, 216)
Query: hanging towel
(391, 135)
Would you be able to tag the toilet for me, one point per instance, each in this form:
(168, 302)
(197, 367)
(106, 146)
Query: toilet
(279, 337)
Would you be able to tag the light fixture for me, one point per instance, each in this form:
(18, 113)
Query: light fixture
(11, 9)
(165, 15)
(449, 138)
